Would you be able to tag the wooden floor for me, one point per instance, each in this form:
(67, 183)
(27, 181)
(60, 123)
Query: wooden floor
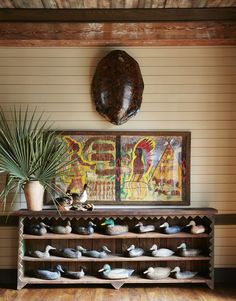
(131, 293)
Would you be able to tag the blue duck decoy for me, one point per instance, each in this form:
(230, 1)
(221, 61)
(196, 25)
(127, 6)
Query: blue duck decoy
(41, 254)
(85, 230)
(109, 273)
(101, 253)
(185, 252)
(113, 229)
(162, 252)
(134, 252)
(157, 273)
(74, 275)
(196, 229)
(37, 229)
(66, 252)
(184, 274)
(171, 229)
(59, 229)
(52, 274)
(144, 229)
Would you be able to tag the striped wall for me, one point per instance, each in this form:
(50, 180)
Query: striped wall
(186, 88)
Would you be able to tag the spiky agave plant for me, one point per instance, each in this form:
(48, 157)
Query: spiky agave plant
(29, 152)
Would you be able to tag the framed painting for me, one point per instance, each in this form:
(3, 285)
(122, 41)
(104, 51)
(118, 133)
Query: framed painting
(129, 168)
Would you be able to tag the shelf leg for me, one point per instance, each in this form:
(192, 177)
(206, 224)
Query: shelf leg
(210, 284)
(117, 285)
(21, 284)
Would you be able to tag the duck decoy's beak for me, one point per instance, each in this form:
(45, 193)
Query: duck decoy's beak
(179, 247)
(129, 248)
(145, 272)
(162, 226)
(101, 270)
(188, 225)
(109, 251)
(172, 271)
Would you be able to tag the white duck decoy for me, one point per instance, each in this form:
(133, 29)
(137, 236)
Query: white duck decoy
(185, 252)
(135, 252)
(141, 228)
(157, 273)
(196, 229)
(109, 273)
(81, 198)
(184, 274)
(41, 254)
(162, 252)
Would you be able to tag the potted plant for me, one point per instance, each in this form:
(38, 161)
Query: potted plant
(31, 156)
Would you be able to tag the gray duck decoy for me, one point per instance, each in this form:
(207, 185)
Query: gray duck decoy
(66, 252)
(134, 252)
(59, 229)
(119, 273)
(52, 274)
(185, 252)
(85, 230)
(196, 229)
(37, 229)
(162, 252)
(41, 254)
(101, 253)
(171, 229)
(74, 275)
(157, 273)
(140, 228)
(184, 274)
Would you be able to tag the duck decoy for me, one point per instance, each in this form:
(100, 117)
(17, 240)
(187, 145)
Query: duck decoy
(134, 252)
(64, 202)
(85, 230)
(37, 229)
(62, 229)
(41, 254)
(171, 229)
(113, 229)
(52, 274)
(196, 229)
(185, 252)
(143, 229)
(184, 274)
(101, 253)
(80, 198)
(162, 252)
(157, 273)
(74, 275)
(66, 252)
(109, 273)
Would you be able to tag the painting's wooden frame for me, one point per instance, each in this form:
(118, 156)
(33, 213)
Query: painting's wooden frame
(186, 146)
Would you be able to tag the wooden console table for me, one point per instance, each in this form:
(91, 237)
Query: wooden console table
(203, 264)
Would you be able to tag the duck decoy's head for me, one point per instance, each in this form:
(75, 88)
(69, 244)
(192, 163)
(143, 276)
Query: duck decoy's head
(154, 247)
(105, 248)
(91, 224)
(132, 247)
(105, 268)
(139, 224)
(59, 268)
(182, 246)
(149, 270)
(176, 269)
(165, 225)
(80, 248)
(42, 225)
(192, 223)
(108, 222)
(68, 223)
(48, 248)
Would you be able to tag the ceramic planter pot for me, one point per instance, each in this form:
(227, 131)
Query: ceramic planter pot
(34, 192)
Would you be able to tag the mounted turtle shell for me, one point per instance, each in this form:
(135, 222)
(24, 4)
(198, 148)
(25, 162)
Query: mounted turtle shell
(117, 87)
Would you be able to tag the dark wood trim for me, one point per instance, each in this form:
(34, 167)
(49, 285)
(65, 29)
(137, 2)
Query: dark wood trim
(117, 15)
(29, 34)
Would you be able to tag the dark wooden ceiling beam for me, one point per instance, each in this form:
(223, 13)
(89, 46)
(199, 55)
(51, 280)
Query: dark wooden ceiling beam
(117, 15)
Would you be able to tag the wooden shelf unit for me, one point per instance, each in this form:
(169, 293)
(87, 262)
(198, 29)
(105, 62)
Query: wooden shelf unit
(204, 263)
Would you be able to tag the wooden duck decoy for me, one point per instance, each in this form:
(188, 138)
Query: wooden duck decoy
(185, 252)
(41, 254)
(52, 274)
(65, 202)
(85, 230)
(109, 273)
(196, 229)
(171, 229)
(101, 253)
(74, 275)
(37, 229)
(62, 229)
(134, 252)
(157, 273)
(66, 252)
(184, 274)
(162, 252)
(144, 229)
(80, 198)
(113, 229)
